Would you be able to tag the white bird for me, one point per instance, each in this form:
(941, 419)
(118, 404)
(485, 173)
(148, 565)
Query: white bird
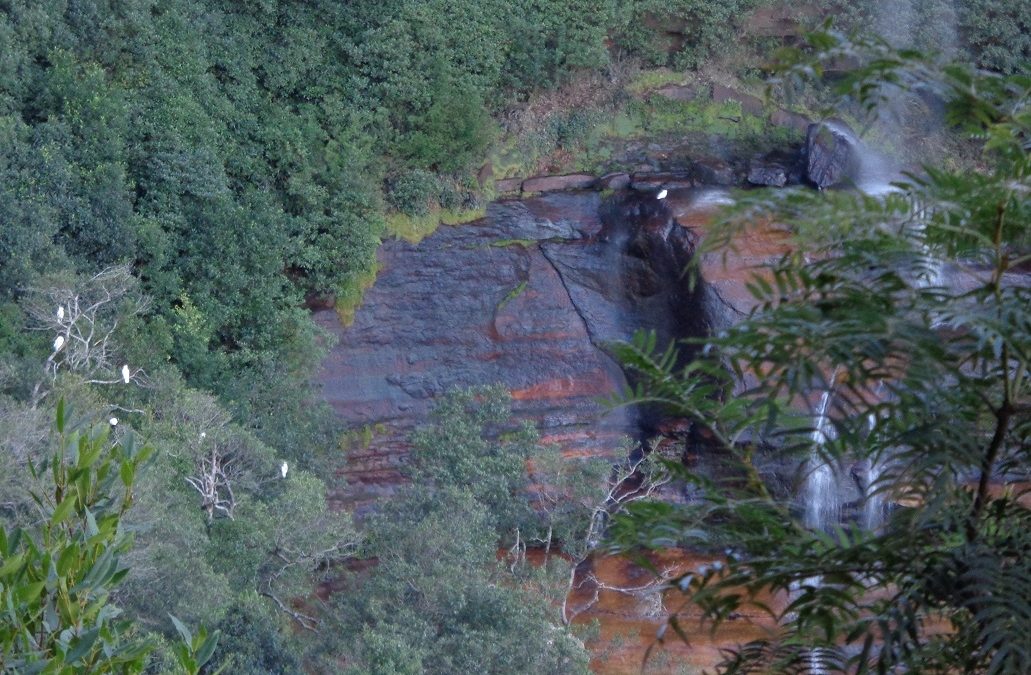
(126, 374)
(58, 343)
(662, 194)
(283, 469)
(113, 421)
(203, 435)
(60, 312)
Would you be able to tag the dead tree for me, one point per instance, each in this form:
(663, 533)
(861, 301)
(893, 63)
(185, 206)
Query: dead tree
(633, 481)
(83, 317)
(218, 469)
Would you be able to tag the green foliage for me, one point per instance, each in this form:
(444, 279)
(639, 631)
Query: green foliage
(252, 641)
(925, 381)
(993, 33)
(194, 650)
(56, 579)
(455, 451)
(998, 33)
(413, 192)
(453, 134)
(706, 27)
(202, 545)
(438, 599)
(130, 135)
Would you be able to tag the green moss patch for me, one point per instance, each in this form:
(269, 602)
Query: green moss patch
(649, 80)
(512, 295)
(416, 228)
(349, 296)
(505, 243)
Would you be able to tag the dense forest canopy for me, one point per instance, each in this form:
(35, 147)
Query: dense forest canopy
(181, 175)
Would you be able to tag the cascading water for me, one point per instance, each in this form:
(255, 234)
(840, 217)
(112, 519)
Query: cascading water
(822, 498)
(876, 178)
(874, 503)
(822, 501)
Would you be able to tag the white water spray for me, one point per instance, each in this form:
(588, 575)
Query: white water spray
(822, 499)
(822, 502)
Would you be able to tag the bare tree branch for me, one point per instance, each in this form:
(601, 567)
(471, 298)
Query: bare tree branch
(83, 318)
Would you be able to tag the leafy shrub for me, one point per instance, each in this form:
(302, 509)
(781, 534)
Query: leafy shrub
(704, 25)
(413, 192)
(56, 579)
(998, 32)
(438, 600)
(452, 134)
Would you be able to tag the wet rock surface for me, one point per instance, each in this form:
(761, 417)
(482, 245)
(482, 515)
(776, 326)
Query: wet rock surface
(778, 168)
(527, 297)
(768, 174)
(572, 181)
(831, 153)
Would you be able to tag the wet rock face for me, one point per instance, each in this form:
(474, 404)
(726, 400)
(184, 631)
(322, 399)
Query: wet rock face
(764, 173)
(778, 168)
(527, 297)
(831, 153)
(632, 276)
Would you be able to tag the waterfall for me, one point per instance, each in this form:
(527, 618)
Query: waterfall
(874, 502)
(822, 501)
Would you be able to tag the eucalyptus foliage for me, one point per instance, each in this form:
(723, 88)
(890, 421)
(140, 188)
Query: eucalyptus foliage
(909, 313)
(439, 599)
(57, 577)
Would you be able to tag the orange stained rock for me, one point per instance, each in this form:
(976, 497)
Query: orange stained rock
(594, 383)
(632, 608)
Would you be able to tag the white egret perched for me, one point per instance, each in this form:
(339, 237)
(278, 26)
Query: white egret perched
(662, 193)
(126, 374)
(113, 421)
(60, 312)
(283, 468)
(58, 343)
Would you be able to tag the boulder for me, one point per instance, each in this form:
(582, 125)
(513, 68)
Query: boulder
(573, 181)
(508, 185)
(790, 120)
(831, 157)
(613, 181)
(769, 174)
(713, 171)
(749, 104)
(781, 20)
(653, 181)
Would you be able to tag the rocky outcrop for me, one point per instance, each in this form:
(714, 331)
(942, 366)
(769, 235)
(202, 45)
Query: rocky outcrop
(613, 181)
(768, 174)
(751, 105)
(573, 181)
(831, 157)
(653, 181)
(713, 171)
(508, 185)
(677, 92)
(781, 19)
(777, 169)
(790, 120)
(527, 297)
